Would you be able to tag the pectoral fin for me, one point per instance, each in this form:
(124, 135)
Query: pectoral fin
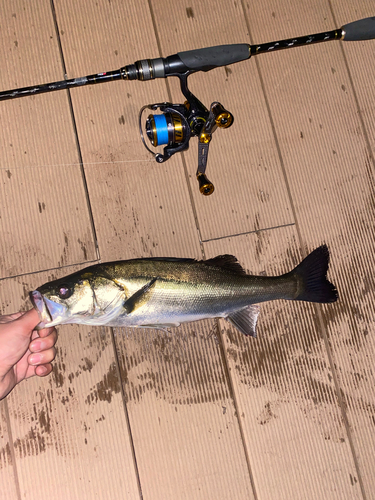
(245, 320)
(131, 302)
(163, 328)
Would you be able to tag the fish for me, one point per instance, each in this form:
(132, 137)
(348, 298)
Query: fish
(165, 292)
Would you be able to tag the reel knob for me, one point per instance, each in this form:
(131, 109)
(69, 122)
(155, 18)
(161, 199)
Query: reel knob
(205, 186)
(223, 118)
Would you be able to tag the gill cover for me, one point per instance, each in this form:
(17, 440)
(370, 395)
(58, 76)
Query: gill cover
(80, 298)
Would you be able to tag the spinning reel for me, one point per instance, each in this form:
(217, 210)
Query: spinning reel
(176, 124)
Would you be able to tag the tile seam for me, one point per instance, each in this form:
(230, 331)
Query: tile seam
(221, 342)
(233, 395)
(371, 180)
(31, 273)
(126, 413)
(235, 235)
(12, 451)
(276, 139)
(183, 159)
(303, 248)
(75, 131)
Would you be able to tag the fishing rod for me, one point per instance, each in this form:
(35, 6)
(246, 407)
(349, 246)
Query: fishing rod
(176, 124)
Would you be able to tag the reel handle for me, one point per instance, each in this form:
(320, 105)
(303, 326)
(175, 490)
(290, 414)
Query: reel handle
(364, 29)
(205, 186)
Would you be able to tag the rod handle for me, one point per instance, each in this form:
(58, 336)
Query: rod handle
(364, 29)
(214, 57)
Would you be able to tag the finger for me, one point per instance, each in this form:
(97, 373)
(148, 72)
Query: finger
(43, 357)
(35, 335)
(41, 344)
(43, 370)
(46, 331)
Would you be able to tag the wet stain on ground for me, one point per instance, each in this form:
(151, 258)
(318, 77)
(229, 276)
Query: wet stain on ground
(33, 443)
(228, 71)
(289, 356)
(182, 366)
(43, 430)
(185, 366)
(267, 414)
(104, 390)
(58, 373)
(5, 456)
(83, 248)
(44, 421)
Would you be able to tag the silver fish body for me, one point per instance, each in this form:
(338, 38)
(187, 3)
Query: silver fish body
(167, 292)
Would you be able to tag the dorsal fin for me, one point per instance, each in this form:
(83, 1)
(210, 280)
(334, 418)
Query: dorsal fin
(227, 262)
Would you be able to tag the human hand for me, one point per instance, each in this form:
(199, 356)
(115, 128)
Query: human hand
(24, 352)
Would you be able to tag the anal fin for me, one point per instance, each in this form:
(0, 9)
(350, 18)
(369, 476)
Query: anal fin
(245, 320)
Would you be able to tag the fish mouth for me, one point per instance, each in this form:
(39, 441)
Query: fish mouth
(50, 313)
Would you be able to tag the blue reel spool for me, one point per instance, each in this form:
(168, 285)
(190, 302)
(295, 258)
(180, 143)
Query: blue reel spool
(161, 130)
(166, 128)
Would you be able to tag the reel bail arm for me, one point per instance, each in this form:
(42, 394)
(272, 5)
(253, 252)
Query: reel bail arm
(172, 126)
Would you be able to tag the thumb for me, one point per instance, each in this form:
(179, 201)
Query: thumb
(27, 322)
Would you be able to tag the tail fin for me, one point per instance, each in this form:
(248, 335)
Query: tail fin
(312, 272)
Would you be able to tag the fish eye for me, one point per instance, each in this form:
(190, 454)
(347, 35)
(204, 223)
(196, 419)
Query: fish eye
(64, 292)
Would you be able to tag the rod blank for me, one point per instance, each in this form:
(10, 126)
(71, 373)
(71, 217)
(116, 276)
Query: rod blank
(184, 63)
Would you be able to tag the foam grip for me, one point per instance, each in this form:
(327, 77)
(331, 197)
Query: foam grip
(363, 29)
(214, 57)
